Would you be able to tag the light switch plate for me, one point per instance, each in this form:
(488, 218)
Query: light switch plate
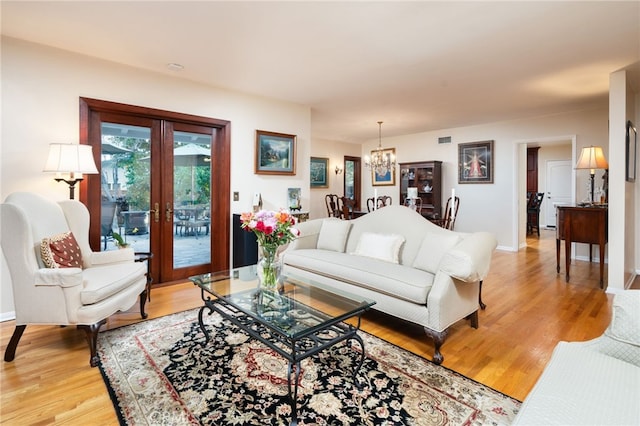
(236, 196)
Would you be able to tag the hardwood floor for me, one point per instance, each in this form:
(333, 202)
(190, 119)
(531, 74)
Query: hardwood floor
(529, 309)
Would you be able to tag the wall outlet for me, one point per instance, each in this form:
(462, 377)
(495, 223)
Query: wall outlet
(236, 196)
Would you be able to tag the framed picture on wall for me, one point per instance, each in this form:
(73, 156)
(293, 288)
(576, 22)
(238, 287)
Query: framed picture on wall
(475, 162)
(631, 152)
(275, 153)
(319, 172)
(294, 195)
(384, 177)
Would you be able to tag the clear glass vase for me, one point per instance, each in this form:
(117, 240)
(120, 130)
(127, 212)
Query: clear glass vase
(269, 268)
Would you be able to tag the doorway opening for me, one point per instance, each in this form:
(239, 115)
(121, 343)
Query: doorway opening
(548, 150)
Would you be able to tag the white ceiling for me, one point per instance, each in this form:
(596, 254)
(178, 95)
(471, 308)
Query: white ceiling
(417, 66)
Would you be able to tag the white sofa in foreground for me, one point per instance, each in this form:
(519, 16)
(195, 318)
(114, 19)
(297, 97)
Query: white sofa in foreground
(412, 268)
(595, 382)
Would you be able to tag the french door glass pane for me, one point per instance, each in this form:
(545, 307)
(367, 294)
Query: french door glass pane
(349, 179)
(192, 199)
(125, 158)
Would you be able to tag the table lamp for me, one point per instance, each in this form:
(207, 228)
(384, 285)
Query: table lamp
(73, 159)
(592, 158)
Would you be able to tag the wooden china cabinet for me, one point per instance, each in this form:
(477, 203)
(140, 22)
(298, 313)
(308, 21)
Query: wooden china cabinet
(427, 177)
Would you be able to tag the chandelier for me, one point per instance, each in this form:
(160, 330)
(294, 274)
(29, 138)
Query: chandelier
(380, 162)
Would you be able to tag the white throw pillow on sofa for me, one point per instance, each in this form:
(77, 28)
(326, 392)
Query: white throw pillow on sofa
(333, 234)
(380, 246)
(433, 247)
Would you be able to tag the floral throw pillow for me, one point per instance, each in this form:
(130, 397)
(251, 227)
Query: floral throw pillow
(61, 251)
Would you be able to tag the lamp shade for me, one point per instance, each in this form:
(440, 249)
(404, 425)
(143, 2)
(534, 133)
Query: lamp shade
(70, 158)
(592, 158)
(412, 192)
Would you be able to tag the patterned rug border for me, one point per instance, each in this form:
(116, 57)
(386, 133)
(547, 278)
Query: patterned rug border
(121, 416)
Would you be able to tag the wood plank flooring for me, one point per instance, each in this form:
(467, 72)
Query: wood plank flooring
(530, 308)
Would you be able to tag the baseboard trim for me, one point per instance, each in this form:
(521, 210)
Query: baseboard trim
(7, 316)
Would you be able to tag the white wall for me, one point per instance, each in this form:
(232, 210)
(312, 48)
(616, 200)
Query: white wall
(494, 207)
(335, 152)
(41, 88)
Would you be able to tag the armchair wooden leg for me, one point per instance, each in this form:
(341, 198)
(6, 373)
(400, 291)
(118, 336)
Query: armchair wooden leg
(482, 305)
(438, 339)
(143, 301)
(10, 353)
(92, 338)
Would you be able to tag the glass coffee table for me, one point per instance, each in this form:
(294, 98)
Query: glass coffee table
(298, 320)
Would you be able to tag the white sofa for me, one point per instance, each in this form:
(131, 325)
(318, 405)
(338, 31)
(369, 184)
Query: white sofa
(595, 382)
(435, 282)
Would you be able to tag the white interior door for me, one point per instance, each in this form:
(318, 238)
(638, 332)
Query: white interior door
(558, 188)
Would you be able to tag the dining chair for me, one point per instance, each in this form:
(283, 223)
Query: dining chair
(347, 207)
(449, 220)
(533, 212)
(332, 203)
(384, 200)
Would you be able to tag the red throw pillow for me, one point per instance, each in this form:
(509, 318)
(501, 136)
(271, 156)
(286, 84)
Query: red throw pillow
(61, 251)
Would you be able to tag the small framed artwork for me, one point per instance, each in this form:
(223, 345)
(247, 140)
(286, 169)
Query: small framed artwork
(475, 162)
(275, 153)
(293, 198)
(319, 172)
(631, 152)
(384, 177)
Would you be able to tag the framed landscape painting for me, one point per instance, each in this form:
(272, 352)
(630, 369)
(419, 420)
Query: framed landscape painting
(319, 172)
(275, 153)
(475, 162)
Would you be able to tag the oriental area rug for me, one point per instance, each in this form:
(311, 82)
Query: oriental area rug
(159, 372)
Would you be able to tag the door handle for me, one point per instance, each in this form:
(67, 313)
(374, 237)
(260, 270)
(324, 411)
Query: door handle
(156, 212)
(168, 212)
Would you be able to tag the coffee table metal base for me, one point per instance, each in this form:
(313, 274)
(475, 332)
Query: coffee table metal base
(294, 350)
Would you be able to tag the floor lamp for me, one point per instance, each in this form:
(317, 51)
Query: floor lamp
(73, 159)
(592, 158)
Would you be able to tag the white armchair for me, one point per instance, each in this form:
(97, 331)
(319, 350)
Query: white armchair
(105, 283)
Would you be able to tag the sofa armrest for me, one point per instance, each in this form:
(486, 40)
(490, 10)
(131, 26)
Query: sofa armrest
(470, 259)
(100, 258)
(308, 238)
(61, 277)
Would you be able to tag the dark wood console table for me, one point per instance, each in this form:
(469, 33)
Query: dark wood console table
(581, 225)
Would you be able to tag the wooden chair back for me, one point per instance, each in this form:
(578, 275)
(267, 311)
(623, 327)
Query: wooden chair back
(347, 206)
(332, 202)
(449, 220)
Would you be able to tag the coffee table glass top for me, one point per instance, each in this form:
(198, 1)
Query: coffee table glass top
(302, 306)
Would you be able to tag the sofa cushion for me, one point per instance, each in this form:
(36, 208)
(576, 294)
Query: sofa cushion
(379, 246)
(432, 250)
(101, 282)
(403, 282)
(625, 319)
(61, 251)
(333, 234)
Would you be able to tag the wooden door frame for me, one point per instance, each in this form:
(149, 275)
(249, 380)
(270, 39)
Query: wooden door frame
(90, 194)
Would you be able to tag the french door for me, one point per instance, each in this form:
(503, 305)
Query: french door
(163, 186)
(352, 180)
